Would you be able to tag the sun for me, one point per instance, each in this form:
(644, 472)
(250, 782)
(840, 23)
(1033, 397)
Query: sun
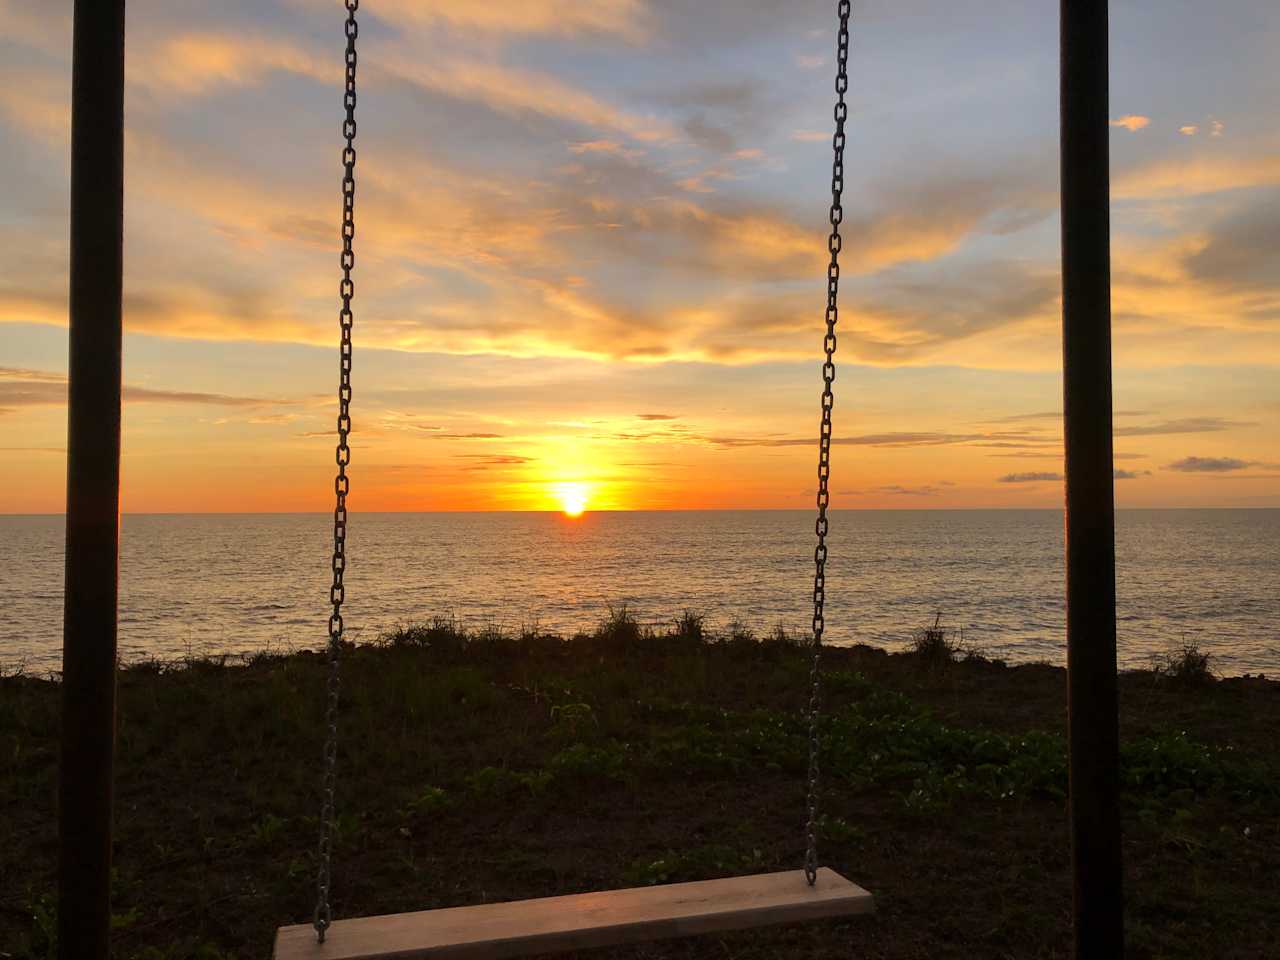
(573, 498)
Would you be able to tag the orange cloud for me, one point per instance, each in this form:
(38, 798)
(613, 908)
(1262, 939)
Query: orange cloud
(192, 64)
(1199, 175)
(1131, 122)
(627, 19)
(514, 90)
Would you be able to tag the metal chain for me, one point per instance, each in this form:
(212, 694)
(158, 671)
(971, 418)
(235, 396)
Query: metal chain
(824, 444)
(341, 484)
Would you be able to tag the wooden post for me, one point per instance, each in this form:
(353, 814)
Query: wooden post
(93, 482)
(1090, 502)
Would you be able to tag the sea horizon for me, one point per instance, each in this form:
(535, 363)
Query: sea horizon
(234, 583)
(357, 512)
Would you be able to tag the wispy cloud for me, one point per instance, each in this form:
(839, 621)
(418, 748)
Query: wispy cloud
(1182, 425)
(1177, 177)
(484, 461)
(628, 19)
(1033, 477)
(33, 388)
(1209, 464)
(922, 490)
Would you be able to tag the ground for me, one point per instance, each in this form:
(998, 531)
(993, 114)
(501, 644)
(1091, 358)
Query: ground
(485, 768)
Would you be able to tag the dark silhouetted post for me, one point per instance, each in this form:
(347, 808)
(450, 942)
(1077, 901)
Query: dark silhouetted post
(1090, 522)
(93, 482)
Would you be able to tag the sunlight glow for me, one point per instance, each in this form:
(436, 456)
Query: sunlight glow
(573, 497)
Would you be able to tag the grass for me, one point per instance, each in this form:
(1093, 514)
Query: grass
(933, 646)
(1187, 664)
(477, 765)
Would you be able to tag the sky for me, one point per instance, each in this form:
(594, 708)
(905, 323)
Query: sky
(591, 254)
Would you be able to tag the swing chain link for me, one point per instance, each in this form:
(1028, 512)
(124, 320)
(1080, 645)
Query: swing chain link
(341, 484)
(824, 444)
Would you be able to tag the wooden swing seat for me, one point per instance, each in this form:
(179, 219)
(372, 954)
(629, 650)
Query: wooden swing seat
(607, 918)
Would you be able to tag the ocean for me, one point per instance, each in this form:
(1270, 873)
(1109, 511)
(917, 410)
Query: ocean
(218, 583)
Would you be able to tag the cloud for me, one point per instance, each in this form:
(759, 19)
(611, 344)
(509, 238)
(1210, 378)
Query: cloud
(1020, 417)
(465, 262)
(892, 439)
(810, 61)
(1183, 178)
(513, 90)
(1056, 415)
(199, 63)
(1035, 477)
(1241, 250)
(525, 211)
(33, 376)
(1183, 425)
(1209, 464)
(656, 416)
(483, 461)
(924, 490)
(627, 19)
(1131, 122)
(1120, 474)
(604, 146)
(812, 136)
(1189, 129)
(32, 388)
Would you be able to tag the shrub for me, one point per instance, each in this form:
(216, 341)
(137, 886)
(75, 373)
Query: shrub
(620, 630)
(779, 637)
(441, 634)
(431, 800)
(581, 764)
(931, 644)
(691, 626)
(1187, 664)
(570, 718)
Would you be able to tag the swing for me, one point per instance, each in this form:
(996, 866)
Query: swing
(605, 918)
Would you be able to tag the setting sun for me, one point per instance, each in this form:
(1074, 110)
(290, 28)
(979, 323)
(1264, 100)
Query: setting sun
(572, 497)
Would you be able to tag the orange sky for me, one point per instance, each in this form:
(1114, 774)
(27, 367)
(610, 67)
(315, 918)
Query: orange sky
(591, 252)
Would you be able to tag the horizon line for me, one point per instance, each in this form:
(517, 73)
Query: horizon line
(554, 512)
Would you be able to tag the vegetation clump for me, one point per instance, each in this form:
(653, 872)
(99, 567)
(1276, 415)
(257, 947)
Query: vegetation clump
(933, 645)
(1187, 665)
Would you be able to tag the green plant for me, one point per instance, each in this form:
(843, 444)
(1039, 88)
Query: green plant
(431, 800)
(267, 829)
(1186, 664)
(583, 764)
(620, 630)
(498, 782)
(42, 941)
(780, 637)
(570, 718)
(690, 626)
(838, 830)
(931, 645)
(693, 864)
